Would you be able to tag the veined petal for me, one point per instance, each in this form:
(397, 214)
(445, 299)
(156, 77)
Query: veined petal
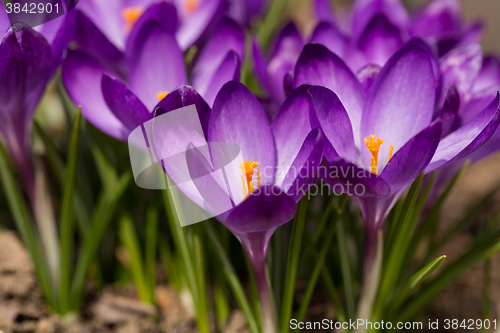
(81, 75)
(184, 96)
(290, 128)
(468, 138)
(461, 65)
(238, 117)
(228, 36)
(404, 94)
(156, 65)
(317, 65)
(262, 211)
(123, 103)
(367, 75)
(328, 35)
(334, 122)
(412, 158)
(449, 112)
(228, 70)
(94, 42)
(489, 74)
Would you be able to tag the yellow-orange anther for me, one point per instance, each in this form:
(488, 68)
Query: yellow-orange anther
(192, 5)
(131, 15)
(391, 149)
(247, 168)
(373, 144)
(162, 94)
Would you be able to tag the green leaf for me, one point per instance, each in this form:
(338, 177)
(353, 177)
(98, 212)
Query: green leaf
(483, 248)
(101, 218)
(150, 252)
(292, 263)
(201, 279)
(66, 216)
(397, 252)
(129, 239)
(232, 279)
(24, 224)
(346, 270)
(415, 281)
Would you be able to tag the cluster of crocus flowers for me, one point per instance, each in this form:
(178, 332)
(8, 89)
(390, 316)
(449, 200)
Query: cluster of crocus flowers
(119, 90)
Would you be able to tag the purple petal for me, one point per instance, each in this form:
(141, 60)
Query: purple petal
(184, 96)
(489, 74)
(237, 117)
(228, 70)
(468, 138)
(334, 122)
(462, 65)
(193, 26)
(123, 103)
(412, 158)
(289, 41)
(317, 65)
(304, 169)
(163, 13)
(404, 94)
(290, 128)
(25, 61)
(380, 40)
(81, 75)
(346, 177)
(367, 75)
(438, 18)
(262, 211)
(228, 36)
(260, 64)
(328, 35)
(434, 62)
(365, 10)
(4, 20)
(449, 112)
(156, 64)
(64, 35)
(92, 40)
(324, 11)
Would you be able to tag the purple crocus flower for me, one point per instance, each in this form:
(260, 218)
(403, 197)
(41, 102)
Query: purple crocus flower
(264, 186)
(116, 18)
(244, 11)
(118, 96)
(27, 62)
(363, 140)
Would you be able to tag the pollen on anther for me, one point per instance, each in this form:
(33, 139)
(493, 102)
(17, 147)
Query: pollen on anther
(247, 168)
(131, 15)
(162, 94)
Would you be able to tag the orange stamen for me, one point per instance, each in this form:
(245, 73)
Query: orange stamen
(162, 94)
(247, 168)
(192, 5)
(131, 15)
(373, 144)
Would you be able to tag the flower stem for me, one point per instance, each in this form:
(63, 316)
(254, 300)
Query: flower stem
(256, 245)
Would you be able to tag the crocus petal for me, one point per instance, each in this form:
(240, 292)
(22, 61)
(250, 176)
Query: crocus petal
(195, 25)
(156, 65)
(434, 61)
(367, 75)
(328, 35)
(449, 113)
(25, 60)
(380, 40)
(345, 177)
(4, 20)
(438, 18)
(62, 37)
(412, 158)
(460, 65)
(163, 13)
(107, 16)
(334, 122)
(304, 169)
(468, 138)
(365, 10)
(184, 96)
(238, 117)
(317, 65)
(261, 211)
(260, 64)
(286, 50)
(404, 94)
(92, 40)
(290, 128)
(123, 103)
(489, 74)
(228, 70)
(324, 11)
(81, 75)
(228, 36)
